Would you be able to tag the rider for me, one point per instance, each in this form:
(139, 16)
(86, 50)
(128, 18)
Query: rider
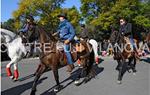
(66, 33)
(84, 35)
(29, 25)
(126, 30)
(28, 31)
(84, 32)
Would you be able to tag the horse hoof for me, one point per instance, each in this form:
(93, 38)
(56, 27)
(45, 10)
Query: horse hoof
(34, 74)
(58, 88)
(14, 79)
(11, 77)
(130, 71)
(134, 73)
(77, 82)
(119, 82)
(87, 79)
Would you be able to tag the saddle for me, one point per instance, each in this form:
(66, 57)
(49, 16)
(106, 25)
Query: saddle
(76, 48)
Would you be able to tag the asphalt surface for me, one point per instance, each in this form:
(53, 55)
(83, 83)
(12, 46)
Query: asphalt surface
(105, 82)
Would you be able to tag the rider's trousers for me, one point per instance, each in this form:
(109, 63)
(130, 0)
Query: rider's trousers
(67, 50)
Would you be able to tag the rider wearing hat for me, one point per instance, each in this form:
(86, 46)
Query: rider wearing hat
(66, 33)
(84, 32)
(29, 26)
(28, 31)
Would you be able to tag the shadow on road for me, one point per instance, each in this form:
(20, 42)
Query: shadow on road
(18, 90)
(26, 77)
(73, 76)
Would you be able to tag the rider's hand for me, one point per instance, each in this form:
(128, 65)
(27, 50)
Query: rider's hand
(54, 34)
(66, 41)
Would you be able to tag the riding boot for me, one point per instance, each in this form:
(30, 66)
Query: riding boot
(16, 74)
(8, 72)
(70, 67)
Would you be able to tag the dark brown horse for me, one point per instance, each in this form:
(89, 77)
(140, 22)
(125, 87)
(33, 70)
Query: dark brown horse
(53, 58)
(121, 55)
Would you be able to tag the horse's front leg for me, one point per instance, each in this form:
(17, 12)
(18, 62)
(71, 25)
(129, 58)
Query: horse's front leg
(89, 72)
(38, 74)
(118, 65)
(134, 66)
(56, 76)
(8, 67)
(121, 71)
(80, 72)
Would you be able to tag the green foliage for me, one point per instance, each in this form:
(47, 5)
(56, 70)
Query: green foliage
(99, 15)
(9, 25)
(46, 12)
(109, 12)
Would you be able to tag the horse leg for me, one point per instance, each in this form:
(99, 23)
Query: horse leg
(88, 71)
(118, 66)
(129, 65)
(37, 69)
(16, 73)
(121, 72)
(134, 66)
(56, 76)
(8, 70)
(77, 81)
(38, 74)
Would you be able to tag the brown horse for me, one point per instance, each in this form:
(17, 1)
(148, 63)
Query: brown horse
(53, 58)
(122, 55)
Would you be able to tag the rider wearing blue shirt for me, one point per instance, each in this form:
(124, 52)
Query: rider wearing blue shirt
(29, 25)
(66, 33)
(28, 32)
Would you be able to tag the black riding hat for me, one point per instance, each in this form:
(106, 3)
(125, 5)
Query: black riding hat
(62, 15)
(30, 17)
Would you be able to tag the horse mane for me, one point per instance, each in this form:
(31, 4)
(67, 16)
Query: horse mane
(7, 32)
(116, 37)
(47, 35)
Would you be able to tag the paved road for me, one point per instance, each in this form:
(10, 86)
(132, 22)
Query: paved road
(104, 84)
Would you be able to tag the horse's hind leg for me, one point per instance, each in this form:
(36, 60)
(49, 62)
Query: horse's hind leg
(8, 67)
(38, 74)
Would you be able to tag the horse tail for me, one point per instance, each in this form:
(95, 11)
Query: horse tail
(95, 48)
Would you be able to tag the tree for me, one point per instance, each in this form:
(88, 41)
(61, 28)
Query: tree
(109, 12)
(9, 25)
(46, 12)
